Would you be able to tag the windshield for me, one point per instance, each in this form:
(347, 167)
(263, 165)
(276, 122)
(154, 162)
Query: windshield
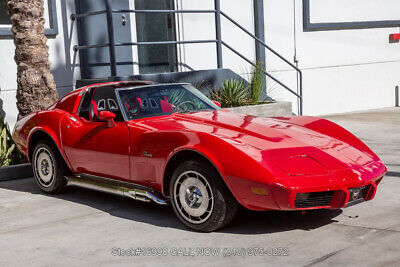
(152, 101)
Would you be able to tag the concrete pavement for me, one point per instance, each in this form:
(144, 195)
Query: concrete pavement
(87, 228)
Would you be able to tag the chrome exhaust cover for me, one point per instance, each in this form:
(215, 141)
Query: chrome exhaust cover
(115, 187)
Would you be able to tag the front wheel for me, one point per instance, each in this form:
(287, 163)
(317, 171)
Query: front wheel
(200, 198)
(48, 168)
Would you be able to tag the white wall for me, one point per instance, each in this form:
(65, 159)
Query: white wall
(202, 26)
(344, 70)
(348, 70)
(354, 10)
(279, 35)
(65, 63)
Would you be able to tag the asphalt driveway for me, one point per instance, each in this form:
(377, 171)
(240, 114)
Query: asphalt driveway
(91, 228)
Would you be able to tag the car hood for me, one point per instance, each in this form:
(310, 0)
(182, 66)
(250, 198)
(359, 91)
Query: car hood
(288, 146)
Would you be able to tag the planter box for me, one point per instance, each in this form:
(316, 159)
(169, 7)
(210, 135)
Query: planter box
(16, 172)
(275, 109)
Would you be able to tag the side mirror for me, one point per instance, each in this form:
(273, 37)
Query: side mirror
(108, 117)
(217, 103)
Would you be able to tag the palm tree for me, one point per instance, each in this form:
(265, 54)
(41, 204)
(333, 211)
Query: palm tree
(36, 87)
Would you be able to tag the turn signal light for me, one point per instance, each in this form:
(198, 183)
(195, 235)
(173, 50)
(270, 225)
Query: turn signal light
(259, 191)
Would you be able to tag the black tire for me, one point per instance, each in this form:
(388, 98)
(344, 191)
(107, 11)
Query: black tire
(46, 154)
(221, 209)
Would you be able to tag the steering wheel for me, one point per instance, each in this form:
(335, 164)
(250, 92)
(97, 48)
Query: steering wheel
(183, 106)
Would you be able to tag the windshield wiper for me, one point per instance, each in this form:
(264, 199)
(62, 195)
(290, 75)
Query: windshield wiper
(192, 111)
(185, 111)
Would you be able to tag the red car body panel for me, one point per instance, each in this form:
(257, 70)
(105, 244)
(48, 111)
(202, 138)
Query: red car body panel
(94, 148)
(285, 155)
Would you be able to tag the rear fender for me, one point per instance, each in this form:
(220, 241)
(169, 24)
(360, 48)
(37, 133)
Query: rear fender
(49, 132)
(48, 122)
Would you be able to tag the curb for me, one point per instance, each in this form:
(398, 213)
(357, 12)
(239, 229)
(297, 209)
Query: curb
(15, 172)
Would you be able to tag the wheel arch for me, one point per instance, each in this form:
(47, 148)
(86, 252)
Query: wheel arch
(181, 156)
(39, 134)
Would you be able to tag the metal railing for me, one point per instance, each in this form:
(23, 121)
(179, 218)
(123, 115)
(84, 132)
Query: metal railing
(218, 41)
(298, 95)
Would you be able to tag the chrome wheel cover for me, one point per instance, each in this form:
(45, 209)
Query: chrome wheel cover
(44, 167)
(193, 197)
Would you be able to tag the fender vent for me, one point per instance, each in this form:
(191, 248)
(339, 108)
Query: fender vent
(315, 199)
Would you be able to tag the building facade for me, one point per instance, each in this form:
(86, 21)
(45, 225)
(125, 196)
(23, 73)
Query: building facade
(341, 46)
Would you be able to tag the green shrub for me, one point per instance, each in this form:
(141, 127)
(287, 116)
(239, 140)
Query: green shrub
(256, 83)
(9, 154)
(235, 93)
(5, 150)
(232, 93)
(176, 97)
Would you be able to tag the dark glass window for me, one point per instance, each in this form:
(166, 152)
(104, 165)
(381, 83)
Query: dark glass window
(153, 101)
(156, 27)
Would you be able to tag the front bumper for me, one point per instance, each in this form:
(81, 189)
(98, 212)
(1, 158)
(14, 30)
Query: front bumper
(329, 199)
(332, 196)
(331, 191)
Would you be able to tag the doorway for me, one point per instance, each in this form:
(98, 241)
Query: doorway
(95, 62)
(156, 27)
(150, 27)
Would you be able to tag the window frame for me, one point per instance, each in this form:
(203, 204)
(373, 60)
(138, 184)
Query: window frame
(125, 116)
(309, 26)
(51, 32)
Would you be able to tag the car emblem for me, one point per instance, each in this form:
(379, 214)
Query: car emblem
(356, 193)
(145, 154)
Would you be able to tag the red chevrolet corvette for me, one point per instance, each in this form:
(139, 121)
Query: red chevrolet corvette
(168, 143)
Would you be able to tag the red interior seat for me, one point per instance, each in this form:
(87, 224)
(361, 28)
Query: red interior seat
(165, 105)
(93, 112)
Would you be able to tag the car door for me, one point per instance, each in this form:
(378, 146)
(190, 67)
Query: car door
(94, 148)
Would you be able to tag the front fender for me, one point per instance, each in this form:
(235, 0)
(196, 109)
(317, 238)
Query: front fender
(329, 128)
(241, 172)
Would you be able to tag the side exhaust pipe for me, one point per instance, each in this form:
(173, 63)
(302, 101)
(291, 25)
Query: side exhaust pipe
(119, 188)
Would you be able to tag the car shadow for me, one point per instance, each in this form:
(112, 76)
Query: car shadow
(262, 222)
(246, 221)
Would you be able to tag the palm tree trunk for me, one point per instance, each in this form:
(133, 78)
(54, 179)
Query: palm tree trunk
(36, 87)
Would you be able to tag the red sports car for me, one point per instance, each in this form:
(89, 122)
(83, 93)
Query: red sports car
(168, 143)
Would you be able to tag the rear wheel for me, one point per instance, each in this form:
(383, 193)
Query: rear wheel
(200, 198)
(48, 168)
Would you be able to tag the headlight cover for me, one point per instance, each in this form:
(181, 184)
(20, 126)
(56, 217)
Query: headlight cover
(300, 165)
